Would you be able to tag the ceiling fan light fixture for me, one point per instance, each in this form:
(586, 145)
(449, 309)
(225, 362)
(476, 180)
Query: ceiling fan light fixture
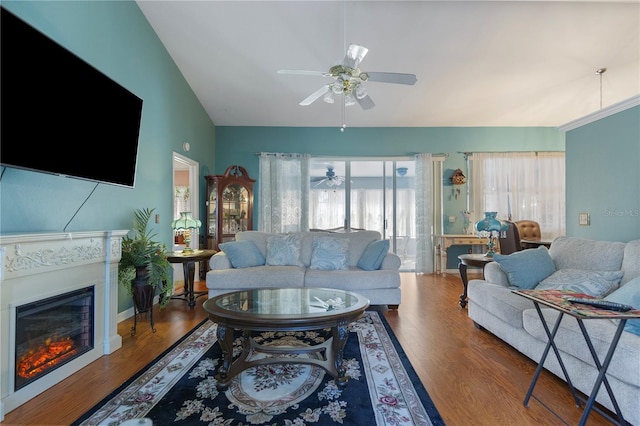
(348, 81)
(349, 99)
(361, 92)
(328, 97)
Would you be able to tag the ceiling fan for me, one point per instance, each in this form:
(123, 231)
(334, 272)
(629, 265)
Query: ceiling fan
(330, 178)
(349, 79)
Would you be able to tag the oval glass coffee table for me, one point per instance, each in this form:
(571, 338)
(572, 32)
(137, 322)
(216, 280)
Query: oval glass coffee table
(284, 309)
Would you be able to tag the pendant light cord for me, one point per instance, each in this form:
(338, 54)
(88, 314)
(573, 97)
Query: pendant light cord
(599, 72)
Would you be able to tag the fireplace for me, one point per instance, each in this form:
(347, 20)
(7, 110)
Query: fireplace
(58, 308)
(52, 332)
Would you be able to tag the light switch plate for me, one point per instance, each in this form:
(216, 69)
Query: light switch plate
(452, 219)
(583, 219)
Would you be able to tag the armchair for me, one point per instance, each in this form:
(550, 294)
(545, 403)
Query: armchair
(529, 230)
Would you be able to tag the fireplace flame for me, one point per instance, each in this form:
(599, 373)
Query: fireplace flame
(44, 357)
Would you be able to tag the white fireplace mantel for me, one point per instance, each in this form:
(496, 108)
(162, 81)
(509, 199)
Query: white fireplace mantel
(37, 266)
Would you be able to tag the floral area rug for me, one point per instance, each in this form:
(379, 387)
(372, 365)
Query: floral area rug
(179, 387)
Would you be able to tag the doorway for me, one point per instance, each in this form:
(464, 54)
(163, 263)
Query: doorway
(377, 194)
(185, 198)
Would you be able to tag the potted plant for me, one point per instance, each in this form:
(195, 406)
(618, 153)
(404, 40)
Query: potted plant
(143, 268)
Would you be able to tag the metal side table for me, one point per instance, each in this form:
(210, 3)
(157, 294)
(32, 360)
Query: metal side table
(556, 299)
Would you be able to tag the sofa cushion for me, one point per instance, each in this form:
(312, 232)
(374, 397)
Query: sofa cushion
(594, 283)
(235, 279)
(352, 279)
(242, 254)
(501, 302)
(284, 250)
(259, 239)
(373, 255)
(628, 294)
(580, 253)
(358, 242)
(329, 253)
(631, 261)
(526, 268)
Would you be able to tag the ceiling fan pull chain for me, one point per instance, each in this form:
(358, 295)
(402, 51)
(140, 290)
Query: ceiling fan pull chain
(344, 107)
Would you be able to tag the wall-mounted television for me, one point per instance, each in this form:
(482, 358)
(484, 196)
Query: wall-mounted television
(61, 115)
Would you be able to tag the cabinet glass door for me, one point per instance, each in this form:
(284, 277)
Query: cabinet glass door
(212, 231)
(235, 205)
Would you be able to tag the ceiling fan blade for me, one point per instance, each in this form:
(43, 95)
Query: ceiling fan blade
(303, 72)
(315, 95)
(392, 77)
(365, 102)
(355, 54)
(318, 179)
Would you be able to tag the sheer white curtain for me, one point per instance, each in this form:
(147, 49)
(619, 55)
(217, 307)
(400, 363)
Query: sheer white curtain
(284, 192)
(424, 213)
(520, 185)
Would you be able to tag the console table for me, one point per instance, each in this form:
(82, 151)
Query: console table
(444, 241)
(556, 299)
(188, 261)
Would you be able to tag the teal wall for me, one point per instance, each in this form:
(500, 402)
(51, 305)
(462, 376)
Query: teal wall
(114, 37)
(603, 177)
(239, 145)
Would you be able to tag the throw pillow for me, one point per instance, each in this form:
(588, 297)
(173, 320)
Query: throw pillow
(284, 250)
(525, 269)
(628, 294)
(593, 283)
(373, 255)
(329, 253)
(242, 254)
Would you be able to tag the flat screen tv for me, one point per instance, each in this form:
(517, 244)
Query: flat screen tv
(61, 115)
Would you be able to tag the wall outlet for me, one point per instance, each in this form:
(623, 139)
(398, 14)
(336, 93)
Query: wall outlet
(452, 219)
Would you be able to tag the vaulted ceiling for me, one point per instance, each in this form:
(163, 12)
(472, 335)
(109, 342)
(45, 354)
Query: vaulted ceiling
(478, 63)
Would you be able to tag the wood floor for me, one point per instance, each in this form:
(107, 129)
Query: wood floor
(473, 377)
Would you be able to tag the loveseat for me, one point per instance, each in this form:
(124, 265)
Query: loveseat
(354, 261)
(610, 270)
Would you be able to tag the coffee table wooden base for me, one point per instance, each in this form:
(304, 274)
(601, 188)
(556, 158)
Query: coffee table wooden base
(330, 355)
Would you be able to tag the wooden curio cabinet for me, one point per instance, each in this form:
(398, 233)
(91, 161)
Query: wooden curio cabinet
(229, 205)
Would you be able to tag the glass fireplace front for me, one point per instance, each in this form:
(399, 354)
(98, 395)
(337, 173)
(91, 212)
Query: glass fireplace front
(51, 332)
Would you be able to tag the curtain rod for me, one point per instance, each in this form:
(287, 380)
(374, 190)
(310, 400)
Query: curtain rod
(375, 157)
(500, 152)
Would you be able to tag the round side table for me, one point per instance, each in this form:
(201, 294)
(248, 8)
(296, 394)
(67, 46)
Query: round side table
(473, 260)
(188, 260)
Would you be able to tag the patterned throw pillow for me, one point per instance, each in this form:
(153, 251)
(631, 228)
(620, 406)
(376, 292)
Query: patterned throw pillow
(329, 253)
(594, 283)
(526, 268)
(242, 254)
(284, 250)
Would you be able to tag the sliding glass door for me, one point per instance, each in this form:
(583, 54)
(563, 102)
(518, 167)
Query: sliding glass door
(372, 194)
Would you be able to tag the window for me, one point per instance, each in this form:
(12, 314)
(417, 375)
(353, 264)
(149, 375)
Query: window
(520, 185)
